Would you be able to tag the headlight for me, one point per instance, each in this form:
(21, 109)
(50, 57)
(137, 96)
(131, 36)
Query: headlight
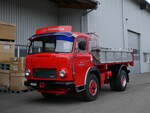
(27, 72)
(62, 73)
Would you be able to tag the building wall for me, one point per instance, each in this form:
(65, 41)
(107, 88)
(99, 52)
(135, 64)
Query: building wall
(114, 18)
(107, 22)
(73, 17)
(28, 15)
(138, 21)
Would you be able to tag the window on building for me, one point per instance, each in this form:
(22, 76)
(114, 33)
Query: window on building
(147, 57)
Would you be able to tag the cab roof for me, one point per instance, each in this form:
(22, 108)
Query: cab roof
(55, 31)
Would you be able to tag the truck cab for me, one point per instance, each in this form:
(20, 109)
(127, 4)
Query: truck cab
(61, 61)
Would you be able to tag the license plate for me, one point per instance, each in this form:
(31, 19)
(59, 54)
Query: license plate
(33, 84)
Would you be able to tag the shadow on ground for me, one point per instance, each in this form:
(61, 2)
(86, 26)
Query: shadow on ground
(67, 99)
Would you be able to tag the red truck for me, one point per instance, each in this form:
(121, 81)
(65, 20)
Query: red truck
(60, 61)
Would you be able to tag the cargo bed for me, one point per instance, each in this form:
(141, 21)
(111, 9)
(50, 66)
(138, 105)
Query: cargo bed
(110, 55)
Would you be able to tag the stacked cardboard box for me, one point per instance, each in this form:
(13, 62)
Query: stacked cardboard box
(7, 47)
(17, 82)
(6, 51)
(7, 41)
(12, 75)
(12, 78)
(17, 76)
(17, 64)
(7, 31)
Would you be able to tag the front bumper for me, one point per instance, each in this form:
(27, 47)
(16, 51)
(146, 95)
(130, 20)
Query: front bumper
(48, 85)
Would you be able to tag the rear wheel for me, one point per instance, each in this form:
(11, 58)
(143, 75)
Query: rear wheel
(119, 82)
(48, 95)
(92, 88)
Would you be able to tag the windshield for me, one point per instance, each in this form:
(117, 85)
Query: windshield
(61, 44)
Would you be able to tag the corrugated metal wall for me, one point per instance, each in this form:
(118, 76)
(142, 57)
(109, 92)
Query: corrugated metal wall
(28, 15)
(73, 17)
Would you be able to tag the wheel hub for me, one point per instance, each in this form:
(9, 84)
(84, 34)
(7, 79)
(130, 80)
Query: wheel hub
(93, 87)
(123, 81)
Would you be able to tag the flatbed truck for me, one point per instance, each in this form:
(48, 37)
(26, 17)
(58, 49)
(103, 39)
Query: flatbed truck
(60, 61)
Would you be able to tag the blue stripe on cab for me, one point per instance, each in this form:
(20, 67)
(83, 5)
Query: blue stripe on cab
(71, 39)
(59, 36)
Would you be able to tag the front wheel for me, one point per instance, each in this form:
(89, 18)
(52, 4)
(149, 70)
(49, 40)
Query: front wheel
(92, 88)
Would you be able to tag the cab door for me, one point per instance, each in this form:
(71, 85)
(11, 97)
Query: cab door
(82, 60)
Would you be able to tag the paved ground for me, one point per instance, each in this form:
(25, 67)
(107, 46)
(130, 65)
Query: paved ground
(136, 99)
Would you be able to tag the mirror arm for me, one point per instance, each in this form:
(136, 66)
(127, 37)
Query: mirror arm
(76, 50)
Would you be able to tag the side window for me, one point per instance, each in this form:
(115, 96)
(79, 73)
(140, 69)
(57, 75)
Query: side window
(93, 45)
(81, 44)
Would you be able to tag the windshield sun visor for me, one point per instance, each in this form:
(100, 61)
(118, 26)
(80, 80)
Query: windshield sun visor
(70, 39)
(66, 34)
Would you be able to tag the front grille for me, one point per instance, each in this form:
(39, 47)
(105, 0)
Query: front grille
(44, 73)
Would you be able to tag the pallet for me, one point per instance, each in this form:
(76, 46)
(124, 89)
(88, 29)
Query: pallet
(15, 92)
(4, 66)
(2, 90)
(21, 91)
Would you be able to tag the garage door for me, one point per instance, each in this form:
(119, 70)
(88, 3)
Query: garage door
(134, 42)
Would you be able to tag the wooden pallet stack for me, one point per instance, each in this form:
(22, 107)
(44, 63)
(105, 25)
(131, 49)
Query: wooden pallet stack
(4, 75)
(7, 41)
(12, 75)
(11, 68)
(7, 47)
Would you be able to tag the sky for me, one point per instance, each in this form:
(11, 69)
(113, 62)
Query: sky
(148, 1)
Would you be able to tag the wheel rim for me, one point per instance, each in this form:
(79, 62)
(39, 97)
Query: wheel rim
(93, 87)
(123, 81)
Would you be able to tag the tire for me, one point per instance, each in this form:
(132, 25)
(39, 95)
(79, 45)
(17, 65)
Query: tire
(48, 95)
(119, 82)
(92, 88)
(112, 83)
